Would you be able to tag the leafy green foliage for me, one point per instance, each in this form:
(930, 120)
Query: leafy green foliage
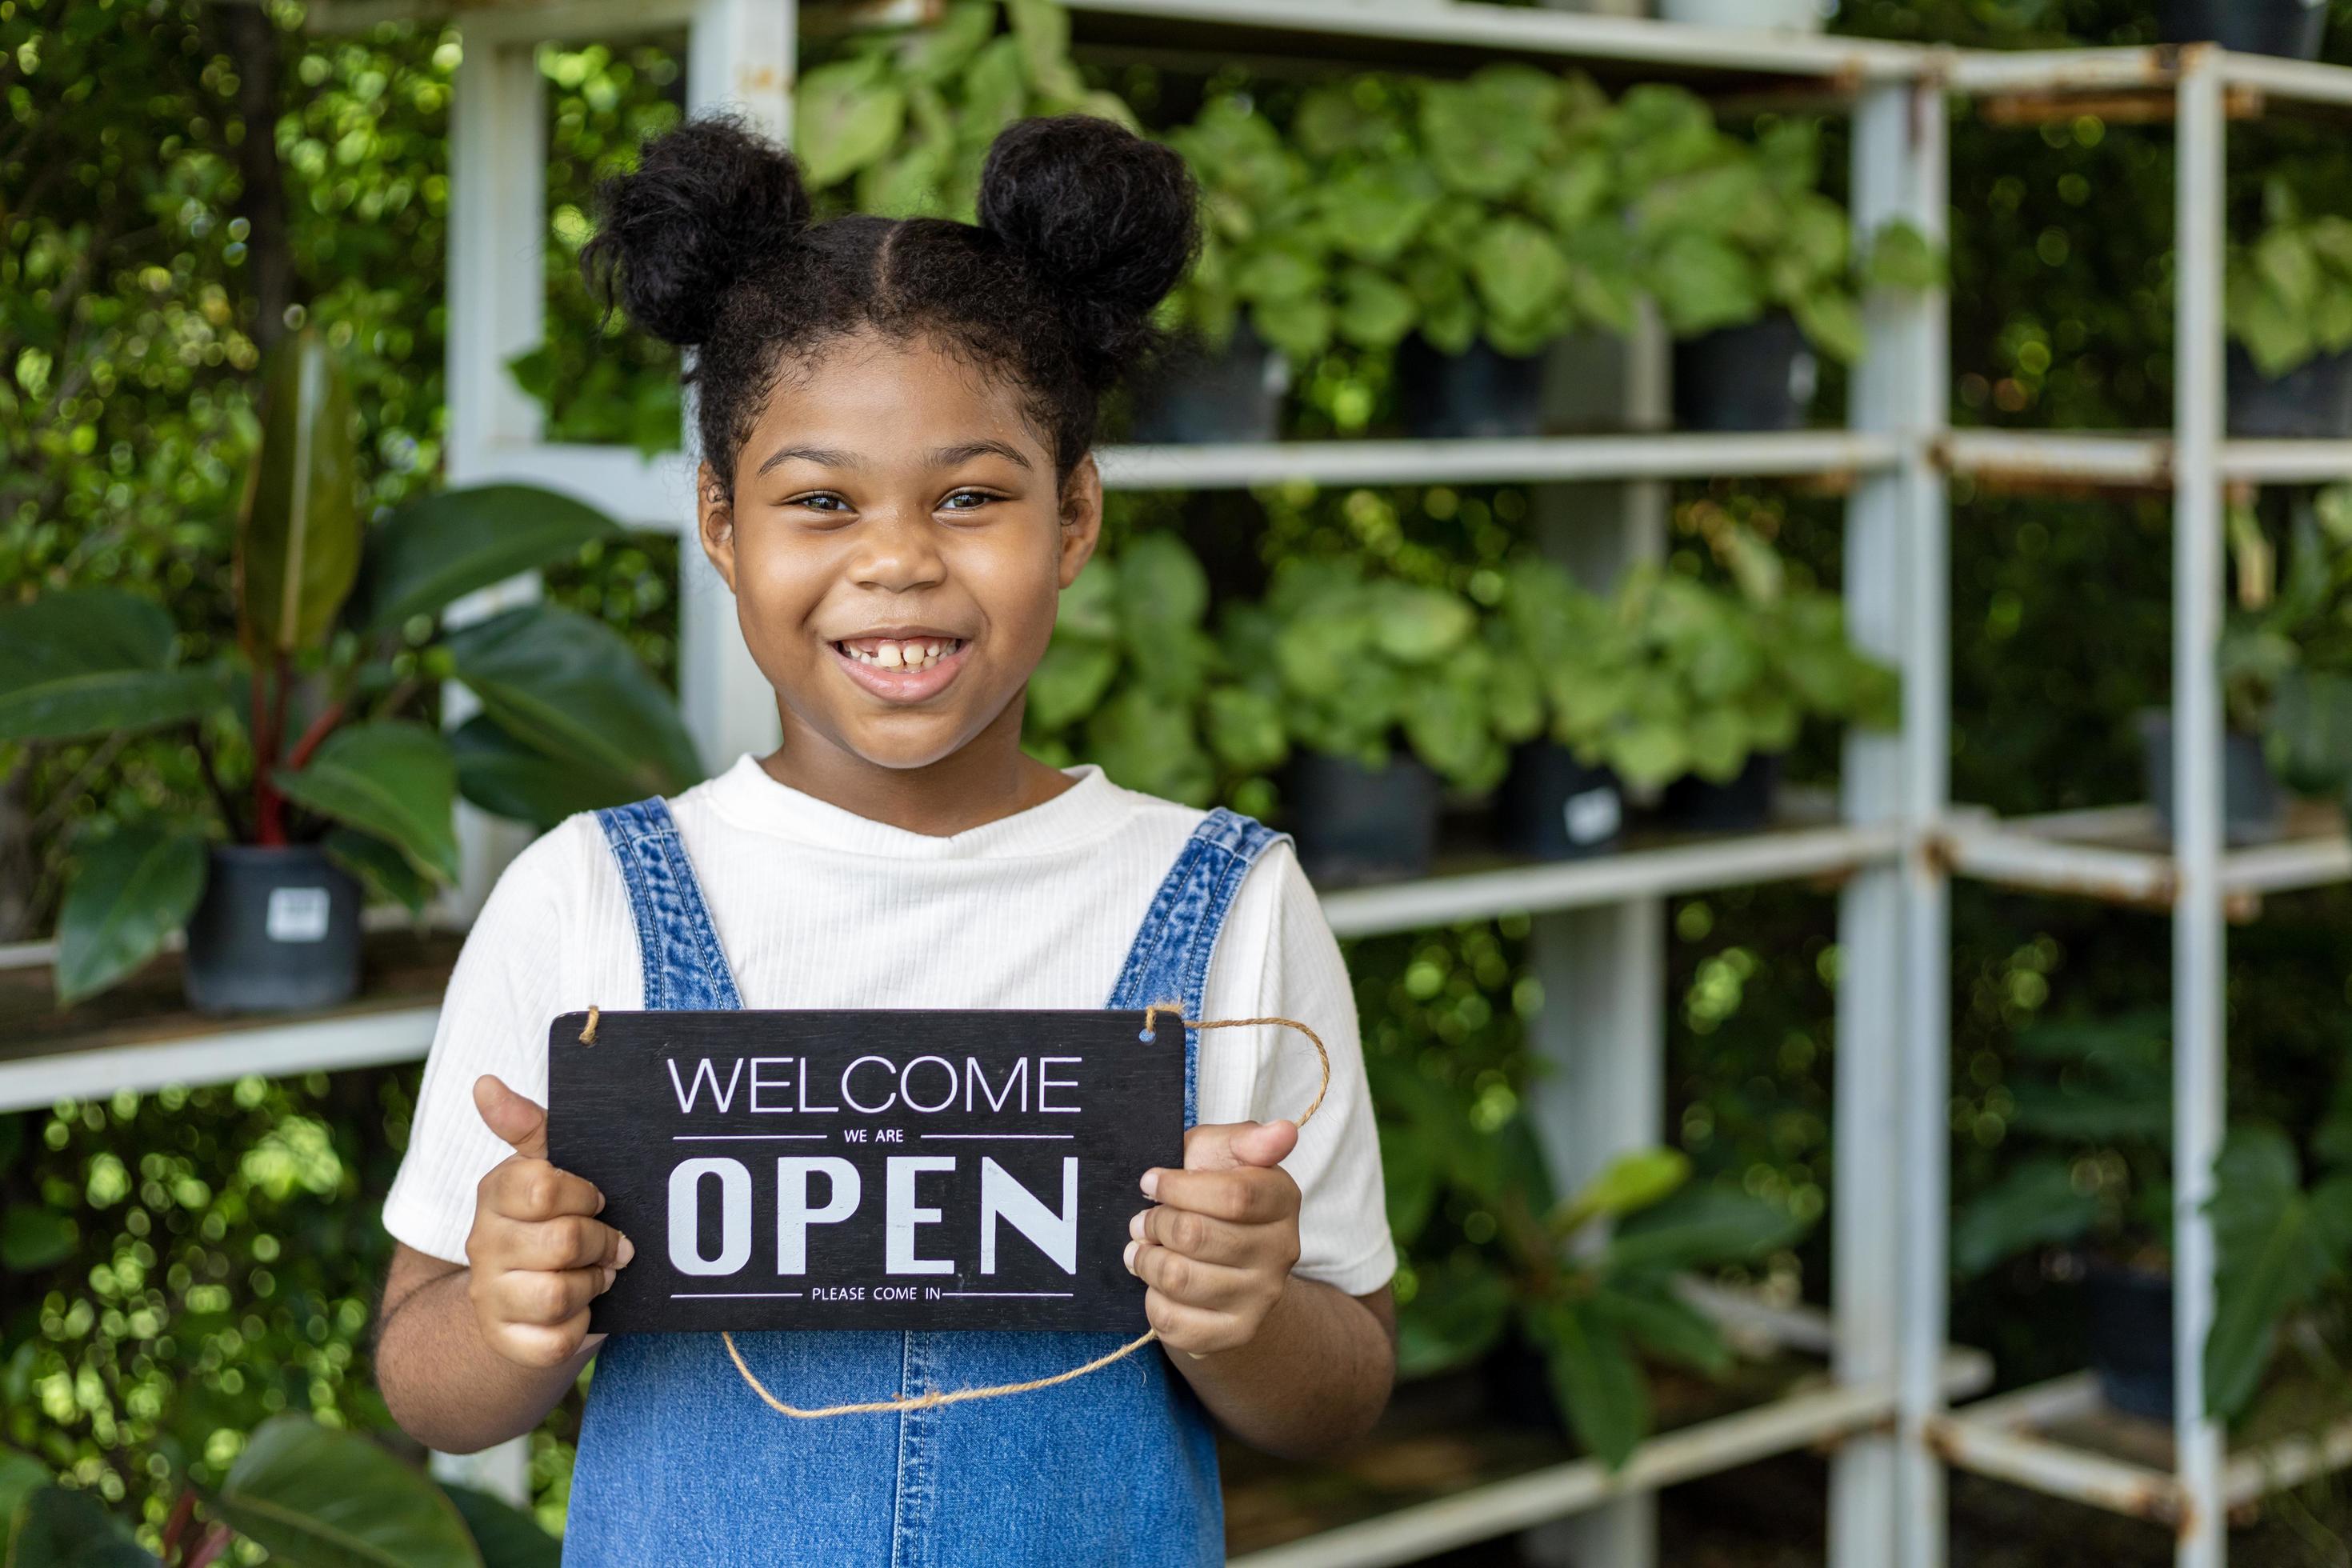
(315, 1496)
(1671, 675)
(297, 543)
(85, 661)
(391, 779)
(137, 886)
(2277, 1244)
(2287, 293)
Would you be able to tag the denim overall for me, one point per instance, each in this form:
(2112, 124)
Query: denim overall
(680, 1464)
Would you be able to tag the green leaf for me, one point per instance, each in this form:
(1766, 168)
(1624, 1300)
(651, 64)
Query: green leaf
(1520, 273)
(1597, 1380)
(392, 778)
(129, 892)
(57, 1528)
(320, 1497)
(380, 868)
(1833, 321)
(506, 778)
(1701, 283)
(451, 543)
(1902, 257)
(2273, 1250)
(1245, 729)
(844, 116)
(1417, 626)
(34, 1237)
(1374, 311)
(2034, 1204)
(297, 543)
(2308, 741)
(570, 689)
(1628, 1183)
(1068, 682)
(21, 1475)
(1162, 589)
(88, 661)
(506, 1536)
(1667, 1327)
(1697, 1226)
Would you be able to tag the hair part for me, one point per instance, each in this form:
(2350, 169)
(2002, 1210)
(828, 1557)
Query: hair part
(1084, 228)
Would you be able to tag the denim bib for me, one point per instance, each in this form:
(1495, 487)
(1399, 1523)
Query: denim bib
(679, 1463)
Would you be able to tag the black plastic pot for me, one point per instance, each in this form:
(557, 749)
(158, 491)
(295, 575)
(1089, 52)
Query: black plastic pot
(2129, 1333)
(1555, 808)
(1354, 824)
(1760, 376)
(1482, 392)
(276, 931)
(2290, 28)
(1234, 393)
(2253, 806)
(1742, 804)
(2311, 402)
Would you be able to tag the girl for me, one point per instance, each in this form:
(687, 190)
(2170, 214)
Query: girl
(895, 421)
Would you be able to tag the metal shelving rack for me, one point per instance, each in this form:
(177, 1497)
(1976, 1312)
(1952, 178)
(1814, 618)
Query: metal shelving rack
(1893, 848)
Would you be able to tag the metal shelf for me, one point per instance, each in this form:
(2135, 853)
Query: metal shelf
(1777, 856)
(657, 491)
(2133, 460)
(328, 1044)
(2121, 853)
(2062, 1438)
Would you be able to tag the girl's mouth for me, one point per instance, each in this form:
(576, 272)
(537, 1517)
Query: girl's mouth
(902, 669)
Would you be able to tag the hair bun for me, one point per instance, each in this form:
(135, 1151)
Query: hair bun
(1109, 219)
(709, 200)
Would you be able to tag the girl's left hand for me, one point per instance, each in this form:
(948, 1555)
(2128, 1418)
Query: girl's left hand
(1218, 1247)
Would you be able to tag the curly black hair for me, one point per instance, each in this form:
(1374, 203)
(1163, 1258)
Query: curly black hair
(1084, 228)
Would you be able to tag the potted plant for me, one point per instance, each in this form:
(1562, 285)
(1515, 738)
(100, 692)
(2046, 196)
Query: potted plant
(1132, 682)
(2092, 1183)
(1387, 691)
(299, 1490)
(1473, 226)
(2086, 1178)
(1572, 1298)
(1748, 262)
(322, 777)
(2290, 28)
(1700, 690)
(2285, 661)
(2288, 302)
(1554, 803)
(1253, 302)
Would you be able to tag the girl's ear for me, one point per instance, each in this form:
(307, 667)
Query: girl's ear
(1082, 508)
(715, 522)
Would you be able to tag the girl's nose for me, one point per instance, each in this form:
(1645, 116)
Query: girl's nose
(898, 550)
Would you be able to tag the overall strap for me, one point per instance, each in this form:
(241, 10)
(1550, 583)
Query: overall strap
(1169, 959)
(685, 967)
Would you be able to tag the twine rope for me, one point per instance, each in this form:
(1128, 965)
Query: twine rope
(998, 1391)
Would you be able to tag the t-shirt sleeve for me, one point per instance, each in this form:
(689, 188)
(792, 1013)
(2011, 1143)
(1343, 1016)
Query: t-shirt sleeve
(494, 1019)
(1277, 958)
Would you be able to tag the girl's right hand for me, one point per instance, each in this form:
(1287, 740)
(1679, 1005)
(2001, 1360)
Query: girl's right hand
(538, 1255)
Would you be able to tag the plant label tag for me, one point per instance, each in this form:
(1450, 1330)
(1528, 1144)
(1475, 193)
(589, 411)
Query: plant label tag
(297, 914)
(869, 1168)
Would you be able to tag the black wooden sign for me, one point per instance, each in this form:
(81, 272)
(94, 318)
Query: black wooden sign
(929, 1169)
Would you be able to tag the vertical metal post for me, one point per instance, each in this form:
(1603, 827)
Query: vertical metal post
(2200, 1038)
(1602, 1031)
(497, 308)
(739, 57)
(1886, 1492)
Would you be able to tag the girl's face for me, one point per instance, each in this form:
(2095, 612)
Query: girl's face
(898, 546)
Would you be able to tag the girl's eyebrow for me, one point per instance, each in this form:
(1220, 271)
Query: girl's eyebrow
(949, 457)
(825, 457)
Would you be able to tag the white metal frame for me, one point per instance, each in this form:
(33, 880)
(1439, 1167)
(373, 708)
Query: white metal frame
(1898, 839)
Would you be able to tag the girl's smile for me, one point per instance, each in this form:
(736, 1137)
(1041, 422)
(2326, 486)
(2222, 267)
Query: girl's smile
(902, 663)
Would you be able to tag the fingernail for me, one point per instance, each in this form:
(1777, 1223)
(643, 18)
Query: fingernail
(628, 1250)
(1134, 1228)
(611, 1275)
(1151, 1183)
(1128, 1257)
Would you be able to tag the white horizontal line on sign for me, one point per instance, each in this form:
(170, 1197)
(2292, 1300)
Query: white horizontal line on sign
(1057, 1294)
(735, 1295)
(1061, 1136)
(741, 1137)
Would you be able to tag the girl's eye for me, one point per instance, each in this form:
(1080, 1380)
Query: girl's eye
(823, 501)
(967, 501)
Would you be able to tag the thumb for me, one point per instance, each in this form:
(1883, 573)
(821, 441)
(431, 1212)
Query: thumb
(520, 1122)
(1230, 1145)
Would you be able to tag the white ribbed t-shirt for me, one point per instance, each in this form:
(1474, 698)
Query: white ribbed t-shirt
(818, 907)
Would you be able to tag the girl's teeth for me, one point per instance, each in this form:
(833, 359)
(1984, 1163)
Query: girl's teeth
(902, 655)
